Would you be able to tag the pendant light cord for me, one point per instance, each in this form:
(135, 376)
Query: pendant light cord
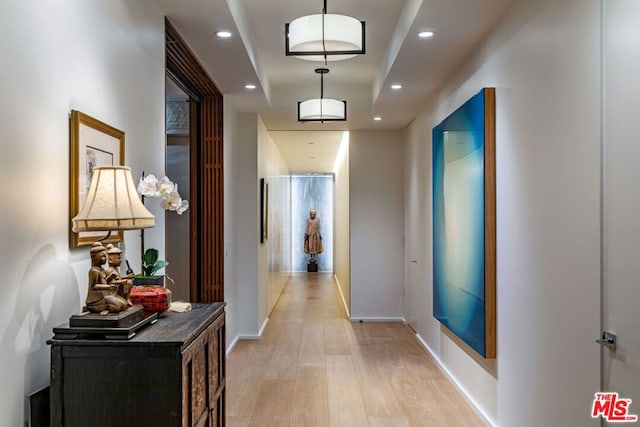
(324, 48)
(321, 96)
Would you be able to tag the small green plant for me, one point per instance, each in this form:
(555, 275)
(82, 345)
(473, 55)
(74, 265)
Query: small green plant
(150, 263)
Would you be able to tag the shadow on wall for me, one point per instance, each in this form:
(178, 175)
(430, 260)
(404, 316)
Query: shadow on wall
(47, 295)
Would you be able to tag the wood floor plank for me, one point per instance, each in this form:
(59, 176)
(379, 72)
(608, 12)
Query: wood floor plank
(426, 413)
(313, 311)
(310, 406)
(284, 360)
(346, 407)
(388, 422)
(379, 398)
(273, 402)
(312, 350)
(314, 367)
(452, 406)
(335, 337)
(242, 396)
(377, 394)
(233, 421)
(250, 363)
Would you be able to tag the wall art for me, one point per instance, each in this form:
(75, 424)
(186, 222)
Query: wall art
(464, 223)
(264, 210)
(93, 143)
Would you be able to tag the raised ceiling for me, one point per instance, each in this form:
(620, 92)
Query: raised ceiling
(394, 54)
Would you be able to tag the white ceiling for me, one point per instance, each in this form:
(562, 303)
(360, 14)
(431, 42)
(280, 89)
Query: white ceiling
(394, 54)
(308, 151)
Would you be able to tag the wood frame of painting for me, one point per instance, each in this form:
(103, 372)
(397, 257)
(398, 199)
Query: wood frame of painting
(464, 223)
(93, 143)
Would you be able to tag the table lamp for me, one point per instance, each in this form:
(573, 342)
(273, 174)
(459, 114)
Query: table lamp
(112, 203)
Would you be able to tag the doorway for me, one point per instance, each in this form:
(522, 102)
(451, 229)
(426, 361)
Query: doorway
(177, 168)
(206, 189)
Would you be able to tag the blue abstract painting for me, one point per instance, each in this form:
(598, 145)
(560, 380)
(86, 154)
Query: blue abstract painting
(461, 249)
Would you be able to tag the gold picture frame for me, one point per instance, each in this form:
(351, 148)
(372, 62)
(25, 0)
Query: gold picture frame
(93, 143)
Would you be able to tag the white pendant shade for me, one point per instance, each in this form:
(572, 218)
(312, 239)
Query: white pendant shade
(322, 109)
(112, 203)
(342, 38)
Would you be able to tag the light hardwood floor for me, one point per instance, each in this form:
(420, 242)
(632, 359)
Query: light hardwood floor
(313, 367)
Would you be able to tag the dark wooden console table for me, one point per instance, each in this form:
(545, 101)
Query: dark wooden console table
(171, 373)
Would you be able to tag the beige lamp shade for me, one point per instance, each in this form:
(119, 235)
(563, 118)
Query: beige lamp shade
(112, 203)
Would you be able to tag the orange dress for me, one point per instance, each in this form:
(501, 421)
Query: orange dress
(312, 237)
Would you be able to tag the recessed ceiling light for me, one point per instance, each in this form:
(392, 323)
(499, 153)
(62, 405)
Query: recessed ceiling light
(377, 118)
(396, 86)
(425, 34)
(249, 86)
(223, 34)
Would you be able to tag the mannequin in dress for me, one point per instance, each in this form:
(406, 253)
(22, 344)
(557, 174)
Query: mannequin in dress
(312, 237)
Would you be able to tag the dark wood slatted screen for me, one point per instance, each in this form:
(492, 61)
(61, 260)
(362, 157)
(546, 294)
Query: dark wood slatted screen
(207, 193)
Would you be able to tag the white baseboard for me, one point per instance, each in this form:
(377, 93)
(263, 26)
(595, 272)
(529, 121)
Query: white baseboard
(255, 337)
(344, 301)
(376, 319)
(233, 344)
(456, 383)
(264, 325)
(249, 337)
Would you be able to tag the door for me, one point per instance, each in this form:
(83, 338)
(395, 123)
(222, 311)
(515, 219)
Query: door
(620, 368)
(412, 302)
(417, 222)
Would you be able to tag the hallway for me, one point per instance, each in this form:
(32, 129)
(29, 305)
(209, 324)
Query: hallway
(313, 367)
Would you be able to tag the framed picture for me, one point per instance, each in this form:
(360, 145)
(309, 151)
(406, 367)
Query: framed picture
(93, 143)
(264, 210)
(464, 223)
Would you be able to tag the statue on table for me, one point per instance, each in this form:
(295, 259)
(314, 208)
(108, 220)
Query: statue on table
(124, 283)
(312, 237)
(102, 296)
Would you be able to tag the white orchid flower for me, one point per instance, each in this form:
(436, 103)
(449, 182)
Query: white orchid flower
(165, 187)
(147, 186)
(183, 207)
(171, 201)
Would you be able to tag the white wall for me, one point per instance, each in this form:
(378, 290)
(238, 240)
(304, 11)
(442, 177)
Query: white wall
(376, 205)
(247, 224)
(230, 154)
(106, 59)
(276, 267)
(544, 60)
(341, 261)
(258, 287)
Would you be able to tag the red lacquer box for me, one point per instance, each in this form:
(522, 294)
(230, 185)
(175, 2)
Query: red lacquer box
(154, 299)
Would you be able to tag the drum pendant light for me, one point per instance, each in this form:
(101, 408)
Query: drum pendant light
(322, 109)
(325, 37)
